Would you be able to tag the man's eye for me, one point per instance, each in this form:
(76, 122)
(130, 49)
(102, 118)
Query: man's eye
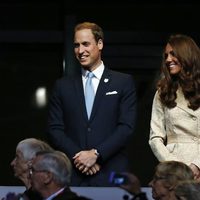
(76, 45)
(86, 44)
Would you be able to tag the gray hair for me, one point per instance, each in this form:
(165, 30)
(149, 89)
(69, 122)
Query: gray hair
(188, 190)
(57, 163)
(30, 146)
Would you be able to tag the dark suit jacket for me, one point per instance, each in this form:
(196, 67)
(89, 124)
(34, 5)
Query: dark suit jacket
(111, 123)
(67, 194)
(30, 194)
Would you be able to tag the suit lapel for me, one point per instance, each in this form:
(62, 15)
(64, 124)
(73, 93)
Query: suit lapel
(80, 96)
(101, 90)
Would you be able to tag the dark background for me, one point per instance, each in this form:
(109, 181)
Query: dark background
(34, 41)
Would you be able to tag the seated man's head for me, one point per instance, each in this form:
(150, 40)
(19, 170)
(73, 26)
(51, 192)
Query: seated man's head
(50, 171)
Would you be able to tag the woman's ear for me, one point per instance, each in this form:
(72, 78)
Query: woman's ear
(172, 187)
(29, 163)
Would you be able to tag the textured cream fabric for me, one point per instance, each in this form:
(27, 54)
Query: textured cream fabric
(175, 133)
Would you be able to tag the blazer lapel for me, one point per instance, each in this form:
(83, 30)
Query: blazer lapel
(182, 103)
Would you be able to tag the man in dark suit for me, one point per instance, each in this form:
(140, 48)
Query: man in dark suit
(94, 142)
(50, 176)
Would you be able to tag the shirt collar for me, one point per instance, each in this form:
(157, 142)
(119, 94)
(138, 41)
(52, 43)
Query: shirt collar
(55, 194)
(97, 72)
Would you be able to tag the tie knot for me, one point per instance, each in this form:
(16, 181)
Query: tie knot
(90, 75)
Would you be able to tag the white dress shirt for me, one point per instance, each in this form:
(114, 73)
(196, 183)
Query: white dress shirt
(97, 76)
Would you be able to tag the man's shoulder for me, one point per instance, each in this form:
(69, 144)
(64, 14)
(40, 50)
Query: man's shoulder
(68, 194)
(120, 74)
(120, 77)
(67, 78)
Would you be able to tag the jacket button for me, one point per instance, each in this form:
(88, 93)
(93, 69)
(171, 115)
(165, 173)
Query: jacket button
(194, 118)
(89, 129)
(195, 138)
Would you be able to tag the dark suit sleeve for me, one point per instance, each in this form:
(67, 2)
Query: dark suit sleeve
(56, 127)
(125, 122)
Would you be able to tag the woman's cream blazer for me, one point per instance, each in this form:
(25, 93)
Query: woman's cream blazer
(175, 132)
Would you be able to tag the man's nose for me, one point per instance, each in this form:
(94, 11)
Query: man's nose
(80, 49)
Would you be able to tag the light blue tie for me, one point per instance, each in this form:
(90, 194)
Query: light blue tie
(89, 93)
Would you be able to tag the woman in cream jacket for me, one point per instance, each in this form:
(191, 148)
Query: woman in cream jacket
(175, 120)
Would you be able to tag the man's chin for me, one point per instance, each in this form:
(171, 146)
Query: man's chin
(86, 67)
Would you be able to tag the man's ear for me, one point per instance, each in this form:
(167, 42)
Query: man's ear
(47, 177)
(100, 44)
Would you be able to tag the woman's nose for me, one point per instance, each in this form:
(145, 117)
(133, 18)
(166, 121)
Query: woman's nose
(168, 58)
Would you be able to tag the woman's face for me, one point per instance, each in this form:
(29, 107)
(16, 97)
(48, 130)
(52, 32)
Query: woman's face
(171, 61)
(20, 165)
(159, 189)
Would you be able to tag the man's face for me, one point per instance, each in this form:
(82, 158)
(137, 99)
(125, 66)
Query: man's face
(87, 50)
